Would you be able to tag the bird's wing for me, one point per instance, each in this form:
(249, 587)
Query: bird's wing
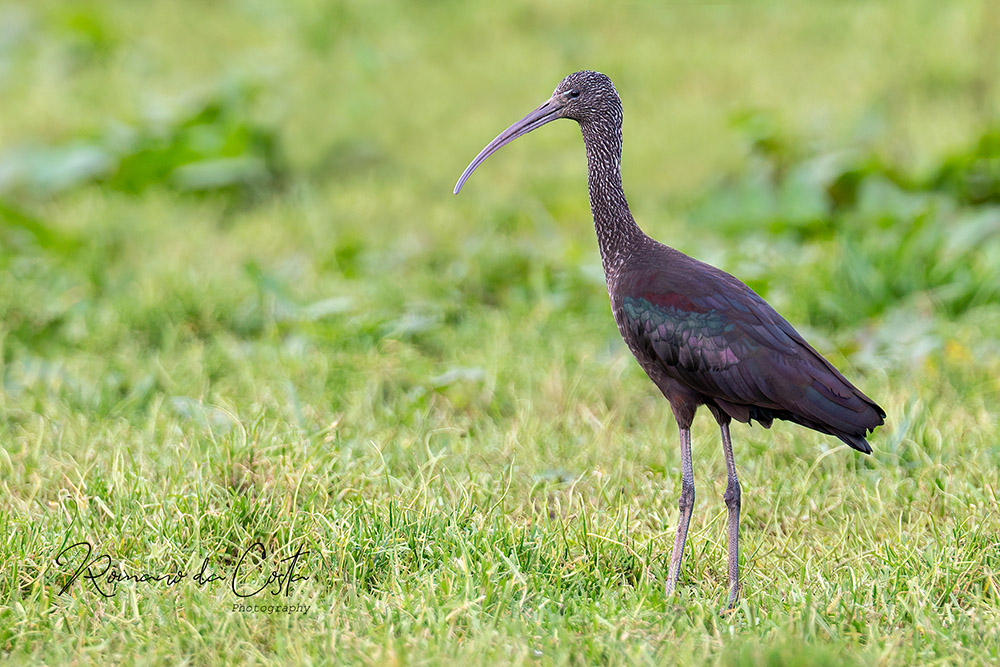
(710, 332)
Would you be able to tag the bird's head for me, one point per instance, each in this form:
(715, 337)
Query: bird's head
(586, 97)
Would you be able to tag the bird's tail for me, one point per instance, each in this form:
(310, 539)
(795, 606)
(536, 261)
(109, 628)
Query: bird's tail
(856, 441)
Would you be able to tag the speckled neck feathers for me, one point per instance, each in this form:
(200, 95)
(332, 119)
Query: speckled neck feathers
(617, 233)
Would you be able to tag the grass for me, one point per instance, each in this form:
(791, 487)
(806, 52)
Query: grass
(239, 306)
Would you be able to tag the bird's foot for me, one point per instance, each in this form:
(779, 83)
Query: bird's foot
(670, 588)
(734, 598)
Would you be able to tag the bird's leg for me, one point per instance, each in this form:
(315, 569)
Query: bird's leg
(732, 498)
(686, 504)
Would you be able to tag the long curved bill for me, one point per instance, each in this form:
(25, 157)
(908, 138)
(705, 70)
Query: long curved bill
(534, 120)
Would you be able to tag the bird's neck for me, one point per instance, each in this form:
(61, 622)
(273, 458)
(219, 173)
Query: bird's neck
(617, 232)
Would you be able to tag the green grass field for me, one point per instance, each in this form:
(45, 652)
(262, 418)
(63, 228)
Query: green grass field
(239, 305)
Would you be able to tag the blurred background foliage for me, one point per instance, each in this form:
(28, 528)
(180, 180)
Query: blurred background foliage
(245, 175)
(187, 189)
(180, 168)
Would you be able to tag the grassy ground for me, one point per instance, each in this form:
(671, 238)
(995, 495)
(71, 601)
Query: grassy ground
(239, 305)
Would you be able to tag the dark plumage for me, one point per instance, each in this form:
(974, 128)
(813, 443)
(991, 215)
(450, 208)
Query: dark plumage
(695, 328)
(700, 334)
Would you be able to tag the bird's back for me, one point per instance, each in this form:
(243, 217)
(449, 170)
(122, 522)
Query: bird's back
(705, 337)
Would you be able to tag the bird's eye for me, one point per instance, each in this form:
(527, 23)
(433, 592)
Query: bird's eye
(574, 93)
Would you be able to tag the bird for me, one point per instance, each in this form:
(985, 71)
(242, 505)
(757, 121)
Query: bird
(701, 335)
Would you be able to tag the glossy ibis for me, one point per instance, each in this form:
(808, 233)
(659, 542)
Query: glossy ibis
(700, 334)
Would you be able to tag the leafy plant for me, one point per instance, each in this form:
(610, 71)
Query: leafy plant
(208, 146)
